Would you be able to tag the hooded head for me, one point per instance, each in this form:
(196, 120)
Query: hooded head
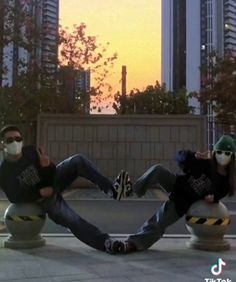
(224, 149)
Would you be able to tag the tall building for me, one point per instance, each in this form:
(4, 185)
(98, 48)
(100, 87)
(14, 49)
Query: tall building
(191, 30)
(75, 84)
(173, 43)
(49, 44)
(44, 20)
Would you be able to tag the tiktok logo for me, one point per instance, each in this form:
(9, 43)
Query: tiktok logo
(216, 269)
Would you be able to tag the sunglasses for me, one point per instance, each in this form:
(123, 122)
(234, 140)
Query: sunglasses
(227, 153)
(10, 140)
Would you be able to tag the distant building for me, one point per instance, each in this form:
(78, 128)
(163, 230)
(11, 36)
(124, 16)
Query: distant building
(49, 44)
(83, 81)
(45, 15)
(75, 84)
(191, 30)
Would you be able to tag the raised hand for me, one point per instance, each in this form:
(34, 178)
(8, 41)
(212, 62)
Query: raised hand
(46, 192)
(43, 157)
(203, 155)
(209, 199)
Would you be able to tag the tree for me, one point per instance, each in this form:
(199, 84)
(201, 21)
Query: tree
(218, 86)
(153, 100)
(34, 89)
(21, 36)
(81, 52)
(30, 91)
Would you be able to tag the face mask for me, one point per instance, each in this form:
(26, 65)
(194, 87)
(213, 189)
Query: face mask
(222, 158)
(14, 148)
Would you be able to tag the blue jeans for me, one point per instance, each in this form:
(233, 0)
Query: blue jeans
(156, 176)
(153, 229)
(59, 211)
(79, 166)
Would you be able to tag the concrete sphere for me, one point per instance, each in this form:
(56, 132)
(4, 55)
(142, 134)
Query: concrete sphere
(208, 224)
(24, 222)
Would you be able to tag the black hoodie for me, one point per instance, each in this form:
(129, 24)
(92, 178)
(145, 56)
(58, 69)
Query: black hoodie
(196, 182)
(22, 180)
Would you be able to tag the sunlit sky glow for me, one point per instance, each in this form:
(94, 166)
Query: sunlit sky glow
(133, 28)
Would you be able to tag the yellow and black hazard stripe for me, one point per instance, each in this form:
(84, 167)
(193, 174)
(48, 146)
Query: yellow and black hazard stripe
(20, 218)
(208, 220)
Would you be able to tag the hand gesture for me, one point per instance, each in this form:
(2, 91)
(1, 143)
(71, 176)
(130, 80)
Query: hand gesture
(209, 199)
(46, 192)
(43, 158)
(202, 155)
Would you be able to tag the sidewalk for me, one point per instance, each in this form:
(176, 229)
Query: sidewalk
(66, 259)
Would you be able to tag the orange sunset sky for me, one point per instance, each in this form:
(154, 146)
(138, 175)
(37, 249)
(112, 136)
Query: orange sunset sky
(133, 28)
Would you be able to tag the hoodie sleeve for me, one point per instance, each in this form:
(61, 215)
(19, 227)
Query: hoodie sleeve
(47, 173)
(221, 187)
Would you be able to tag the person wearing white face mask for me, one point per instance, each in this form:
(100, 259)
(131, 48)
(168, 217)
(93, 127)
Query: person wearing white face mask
(13, 146)
(28, 175)
(223, 157)
(205, 177)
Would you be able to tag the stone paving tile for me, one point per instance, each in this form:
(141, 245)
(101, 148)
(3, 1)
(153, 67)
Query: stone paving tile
(108, 270)
(70, 278)
(10, 271)
(48, 279)
(162, 277)
(112, 279)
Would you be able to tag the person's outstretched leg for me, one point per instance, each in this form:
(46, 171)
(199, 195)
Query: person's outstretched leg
(155, 175)
(152, 230)
(78, 165)
(59, 212)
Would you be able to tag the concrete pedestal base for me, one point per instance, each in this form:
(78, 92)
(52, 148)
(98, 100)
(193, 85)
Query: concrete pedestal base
(16, 243)
(208, 244)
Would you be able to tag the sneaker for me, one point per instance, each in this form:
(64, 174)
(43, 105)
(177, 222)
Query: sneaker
(128, 189)
(123, 185)
(112, 246)
(126, 247)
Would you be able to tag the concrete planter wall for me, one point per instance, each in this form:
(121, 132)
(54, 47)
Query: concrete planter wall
(130, 142)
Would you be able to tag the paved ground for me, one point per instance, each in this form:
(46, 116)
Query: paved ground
(66, 259)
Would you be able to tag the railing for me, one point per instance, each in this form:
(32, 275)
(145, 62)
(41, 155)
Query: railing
(216, 128)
